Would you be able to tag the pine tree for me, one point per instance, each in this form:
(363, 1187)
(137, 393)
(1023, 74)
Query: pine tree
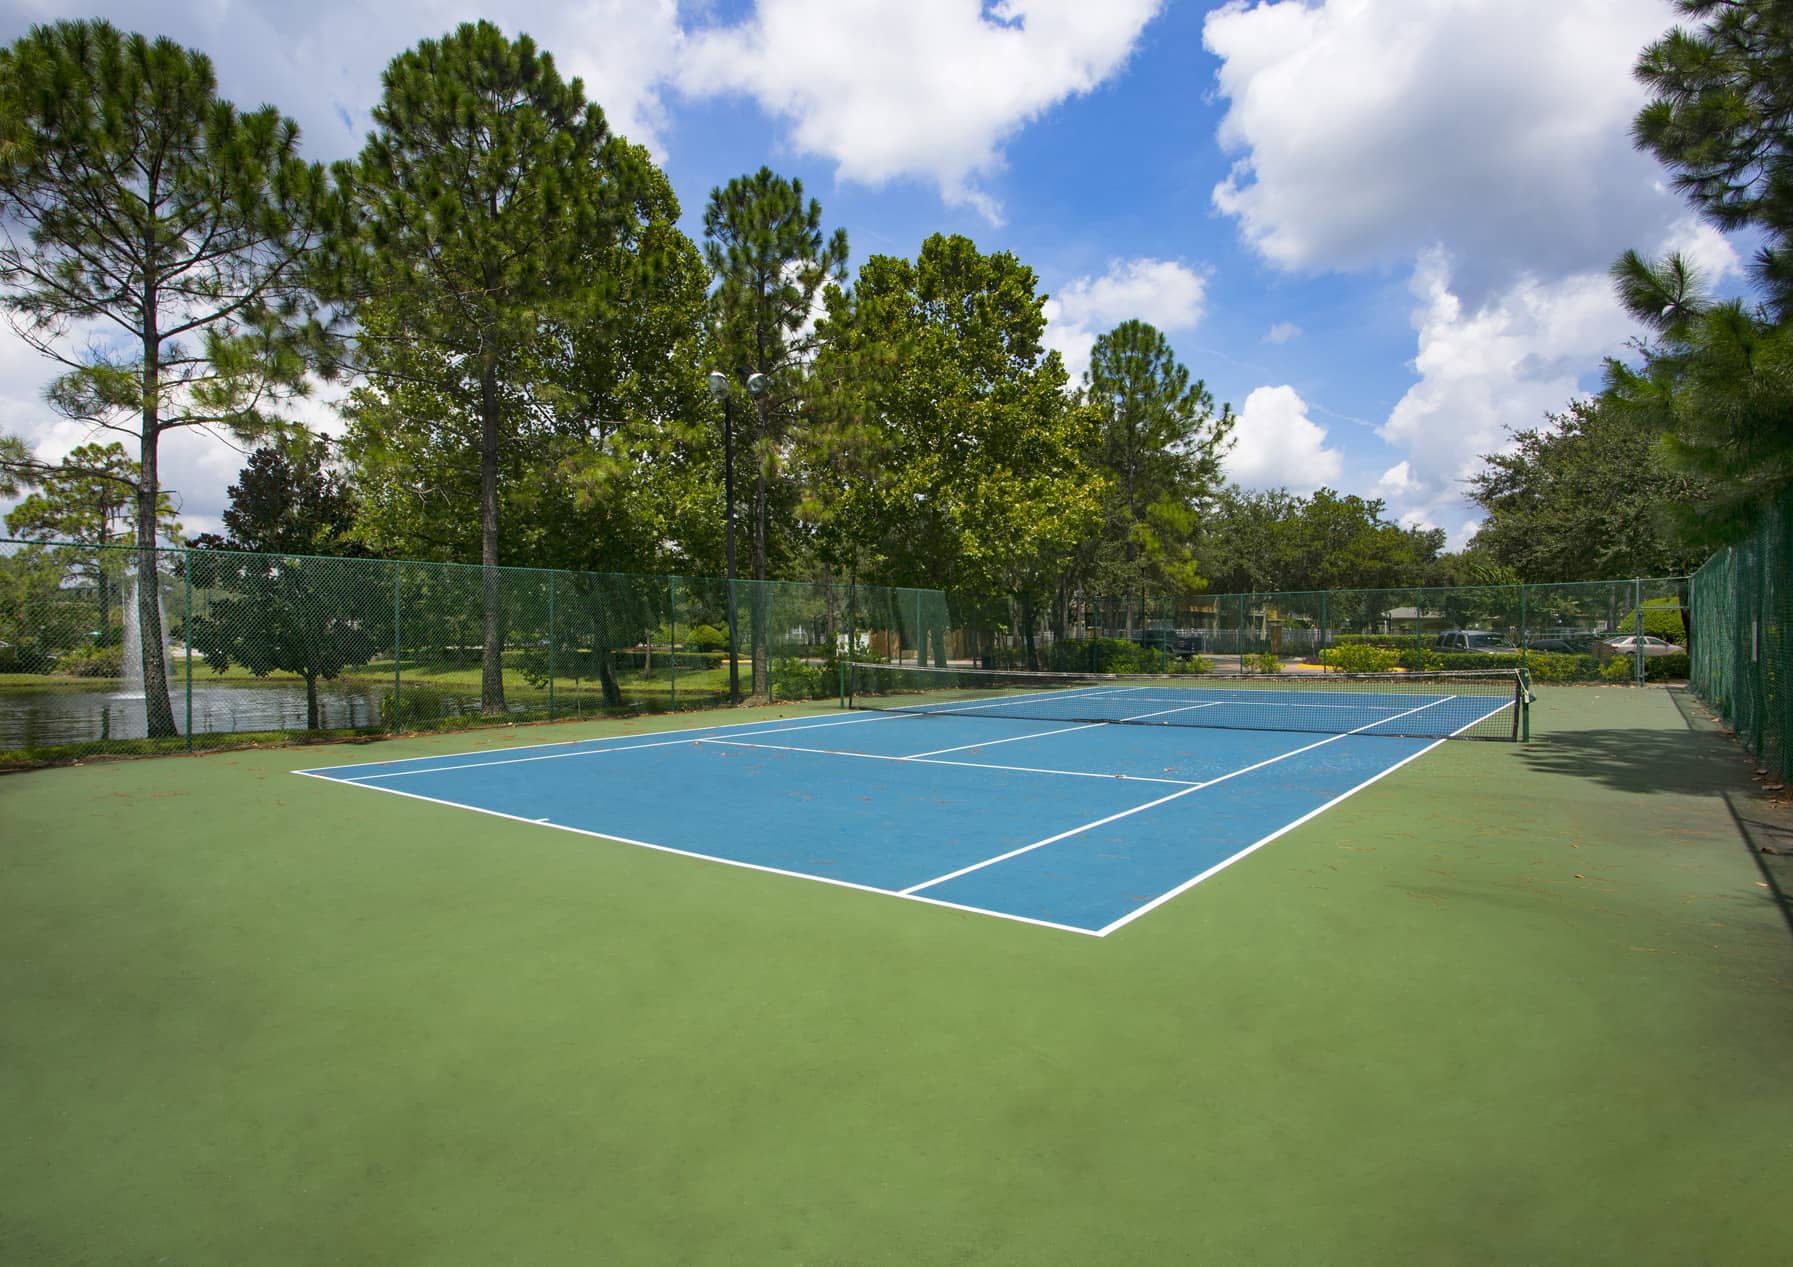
(136, 200)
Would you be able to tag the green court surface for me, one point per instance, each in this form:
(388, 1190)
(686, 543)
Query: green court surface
(1523, 1004)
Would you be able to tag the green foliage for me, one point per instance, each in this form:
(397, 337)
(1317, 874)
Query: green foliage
(1261, 662)
(139, 202)
(705, 638)
(1719, 120)
(1588, 495)
(954, 458)
(1619, 669)
(1714, 380)
(288, 502)
(1553, 666)
(313, 617)
(794, 679)
(1662, 619)
(487, 199)
(1192, 664)
(1358, 658)
(1257, 542)
(106, 662)
(1159, 443)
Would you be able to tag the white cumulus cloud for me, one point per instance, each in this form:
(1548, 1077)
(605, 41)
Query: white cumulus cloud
(1276, 445)
(1501, 130)
(922, 89)
(1163, 293)
(1488, 370)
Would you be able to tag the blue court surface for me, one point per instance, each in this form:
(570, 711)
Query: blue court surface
(1077, 826)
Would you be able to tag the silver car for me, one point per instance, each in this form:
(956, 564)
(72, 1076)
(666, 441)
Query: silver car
(1653, 646)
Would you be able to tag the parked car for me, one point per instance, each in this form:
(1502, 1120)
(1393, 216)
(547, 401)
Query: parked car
(1563, 646)
(1176, 641)
(1652, 646)
(1481, 640)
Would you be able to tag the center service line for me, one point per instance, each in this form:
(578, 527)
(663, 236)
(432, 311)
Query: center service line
(1103, 822)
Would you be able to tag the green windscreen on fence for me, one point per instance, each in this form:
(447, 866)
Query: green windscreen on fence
(105, 649)
(1743, 639)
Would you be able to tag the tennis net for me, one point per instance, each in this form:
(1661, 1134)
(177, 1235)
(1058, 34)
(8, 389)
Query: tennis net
(1466, 704)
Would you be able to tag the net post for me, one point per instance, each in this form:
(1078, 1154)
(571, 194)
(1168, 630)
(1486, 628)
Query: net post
(672, 636)
(1525, 705)
(551, 641)
(187, 628)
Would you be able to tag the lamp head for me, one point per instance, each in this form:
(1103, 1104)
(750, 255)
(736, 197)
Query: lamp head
(718, 384)
(757, 385)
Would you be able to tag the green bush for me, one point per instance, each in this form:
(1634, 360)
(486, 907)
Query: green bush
(1357, 657)
(1192, 664)
(92, 662)
(1430, 661)
(1387, 642)
(1662, 619)
(1618, 669)
(793, 679)
(1260, 662)
(706, 638)
(1668, 668)
(1556, 666)
(1103, 655)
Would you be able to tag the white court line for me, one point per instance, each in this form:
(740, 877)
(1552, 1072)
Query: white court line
(559, 756)
(991, 743)
(1256, 845)
(707, 857)
(569, 743)
(969, 765)
(1103, 822)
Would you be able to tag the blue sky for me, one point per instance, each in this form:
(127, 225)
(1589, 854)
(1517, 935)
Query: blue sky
(1379, 228)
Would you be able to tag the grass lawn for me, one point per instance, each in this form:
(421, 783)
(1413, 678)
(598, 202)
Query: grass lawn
(1512, 1004)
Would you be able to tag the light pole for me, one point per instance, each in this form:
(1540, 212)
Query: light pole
(719, 389)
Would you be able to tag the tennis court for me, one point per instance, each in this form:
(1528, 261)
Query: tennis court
(1081, 807)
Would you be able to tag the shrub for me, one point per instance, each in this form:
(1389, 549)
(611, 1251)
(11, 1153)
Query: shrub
(92, 662)
(1667, 668)
(1428, 659)
(706, 638)
(1192, 664)
(1260, 662)
(793, 679)
(1554, 666)
(1357, 657)
(1618, 669)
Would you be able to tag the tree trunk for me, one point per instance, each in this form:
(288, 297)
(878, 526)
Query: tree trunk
(759, 589)
(157, 707)
(1027, 646)
(491, 669)
(601, 652)
(311, 699)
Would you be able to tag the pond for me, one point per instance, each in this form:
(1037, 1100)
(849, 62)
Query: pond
(38, 716)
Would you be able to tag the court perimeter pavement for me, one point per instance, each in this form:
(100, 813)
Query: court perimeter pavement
(1510, 1004)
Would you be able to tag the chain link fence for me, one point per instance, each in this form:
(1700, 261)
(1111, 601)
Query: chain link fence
(105, 650)
(1743, 639)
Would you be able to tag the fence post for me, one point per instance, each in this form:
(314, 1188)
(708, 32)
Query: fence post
(1323, 638)
(672, 636)
(1637, 601)
(187, 627)
(1524, 633)
(551, 641)
(397, 643)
